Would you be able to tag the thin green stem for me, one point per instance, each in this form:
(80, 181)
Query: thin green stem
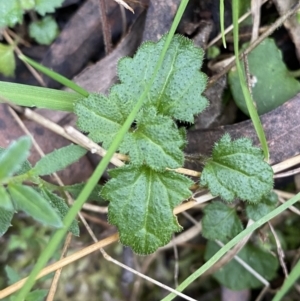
(231, 244)
(289, 282)
(222, 21)
(58, 236)
(249, 101)
(54, 75)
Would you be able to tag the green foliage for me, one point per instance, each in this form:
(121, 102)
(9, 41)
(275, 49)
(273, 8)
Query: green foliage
(47, 6)
(76, 189)
(5, 220)
(142, 194)
(62, 208)
(11, 13)
(30, 201)
(263, 263)
(270, 80)
(265, 206)
(7, 60)
(44, 31)
(13, 157)
(41, 204)
(141, 205)
(220, 222)
(58, 160)
(237, 170)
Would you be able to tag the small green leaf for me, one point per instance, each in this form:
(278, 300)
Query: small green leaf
(44, 31)
(11, 13)
(31, 202)
(265, 206)
(156, 141)
(220, 222)
(5, 201)
(236, 277)
(27, 4)
(5, 220)
(25, 166)
(14, 156)
(141, 205)
(7, 60)
(12, 275)
(58, 160)
(237, 170)
(101, 117)
(76, 189)
(176, 91)
(45, 6)
(62, 208)
(270, 80)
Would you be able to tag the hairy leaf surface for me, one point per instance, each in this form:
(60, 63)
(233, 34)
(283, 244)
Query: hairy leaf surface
(76, 189)
(5, 219)
(12, 158)
(156, 141)
(235, 277)
(62, 208)
(237, 170)
(27, 199)
(141, 205)
(176, 91)
(5, 201)
(58, 159)
(265, 206)
(101, 117)
(220, 222)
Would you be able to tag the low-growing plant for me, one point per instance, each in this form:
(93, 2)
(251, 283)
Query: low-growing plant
(161, 85)
(43, 29)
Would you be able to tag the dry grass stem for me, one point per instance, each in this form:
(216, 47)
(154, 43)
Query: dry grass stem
(124, 4)
(56, 277)
(279, 251)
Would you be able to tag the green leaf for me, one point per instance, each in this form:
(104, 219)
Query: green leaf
(11, 13)
(12, 158)
(62, 208)
(25, 166)
(220, 222)
(12, 275)
(45, 6)
(178, 85)
(101, 117)
(141, 205)
(156, 141)
(76, 189)
(27, 4)
(236, 277)
(237, 170)
(58, 160)
(31, 202)
(271, 83)
(5, 220)
(5, 201)
(44, 31)
(30, 96)
(265, 206)
(7, 60)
